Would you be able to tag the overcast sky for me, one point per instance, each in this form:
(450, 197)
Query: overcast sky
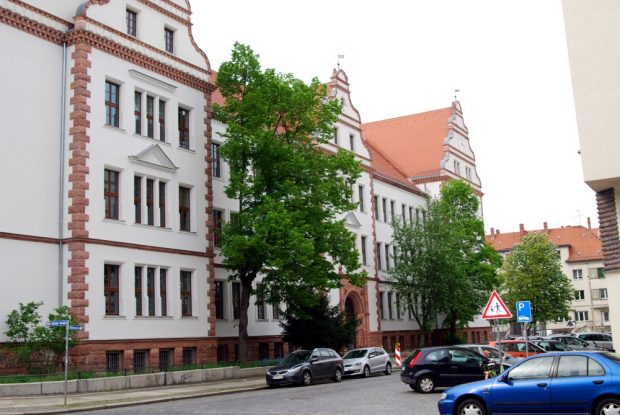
(507, 58)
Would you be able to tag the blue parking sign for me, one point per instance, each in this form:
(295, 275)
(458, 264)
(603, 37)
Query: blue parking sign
(524, 312)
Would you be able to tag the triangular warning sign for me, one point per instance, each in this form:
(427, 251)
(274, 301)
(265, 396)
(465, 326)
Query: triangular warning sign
(496, 308)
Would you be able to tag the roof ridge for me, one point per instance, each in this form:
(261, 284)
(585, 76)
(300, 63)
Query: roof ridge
(408, 116)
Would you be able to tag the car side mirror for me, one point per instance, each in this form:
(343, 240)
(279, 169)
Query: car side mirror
(503, 378)
(314, 359)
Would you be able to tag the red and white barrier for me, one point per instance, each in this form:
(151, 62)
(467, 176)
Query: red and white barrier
(397, 355)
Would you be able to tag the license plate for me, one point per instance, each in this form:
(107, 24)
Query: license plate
(276, 377)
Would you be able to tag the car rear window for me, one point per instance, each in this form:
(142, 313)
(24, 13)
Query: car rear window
(355, 354)
(570, 366)
(437, 356)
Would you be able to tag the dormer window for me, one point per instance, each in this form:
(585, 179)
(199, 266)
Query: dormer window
(169, 40)
(132, 20)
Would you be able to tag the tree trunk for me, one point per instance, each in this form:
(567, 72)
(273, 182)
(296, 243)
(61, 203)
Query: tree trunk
(244, 305)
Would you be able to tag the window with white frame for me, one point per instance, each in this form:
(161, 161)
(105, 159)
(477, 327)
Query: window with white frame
(360, 197)
(605, 316)
(390, 305)
(376, 206)
(149, 115)
(384, 209)
(186, 293)
(219, 300)
(363, 249)
(149, 196)
(151, 291)
(379, 263)
(381, 307)
(581, 316)
(580, 295)
(577, 274)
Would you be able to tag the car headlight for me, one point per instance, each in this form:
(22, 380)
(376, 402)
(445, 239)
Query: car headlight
(357, 364)
(294, 369)
(444, 395)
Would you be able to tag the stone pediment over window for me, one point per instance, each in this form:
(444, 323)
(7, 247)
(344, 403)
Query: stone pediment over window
(154, 156)
(352, 221)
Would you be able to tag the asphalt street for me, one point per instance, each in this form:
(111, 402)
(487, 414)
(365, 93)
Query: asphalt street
(377, 395)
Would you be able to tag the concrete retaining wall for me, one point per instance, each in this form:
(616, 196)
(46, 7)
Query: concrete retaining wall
(131, 381)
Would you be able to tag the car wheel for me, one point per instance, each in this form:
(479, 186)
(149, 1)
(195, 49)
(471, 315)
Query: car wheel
(471, 407)
(412, 387)
(338, 375)
(388, 369)
(306, 378)
(366, 372)
(425, 384)
(608, 406)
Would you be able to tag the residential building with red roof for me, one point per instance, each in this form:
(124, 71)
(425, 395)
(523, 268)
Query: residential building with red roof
(581, 256)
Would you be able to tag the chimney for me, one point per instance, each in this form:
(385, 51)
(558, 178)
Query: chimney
(589, 223)
(496, 231)
(545, 226)
(521, 229)
(492, 231)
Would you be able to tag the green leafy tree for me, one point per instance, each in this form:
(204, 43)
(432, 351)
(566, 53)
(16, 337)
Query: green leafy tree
(315, 324)
(34, 345)
(472, 264)
(289, 188)
(445, 269)
(532, 271)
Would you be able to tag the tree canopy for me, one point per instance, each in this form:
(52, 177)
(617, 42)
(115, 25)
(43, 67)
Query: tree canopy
(290, 189)
(33, 344)
(318, 325)
(532, 271)
(445, 270)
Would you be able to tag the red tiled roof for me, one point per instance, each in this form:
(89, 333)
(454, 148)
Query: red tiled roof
(216, 97)
(413, 143)
(384, 167)
(583, 244)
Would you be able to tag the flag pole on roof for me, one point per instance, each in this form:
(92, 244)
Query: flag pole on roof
(338, 57)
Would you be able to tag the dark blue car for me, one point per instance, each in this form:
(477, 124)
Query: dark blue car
(558, 382)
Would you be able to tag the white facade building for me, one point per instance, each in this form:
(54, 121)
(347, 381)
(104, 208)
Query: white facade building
(114, 186)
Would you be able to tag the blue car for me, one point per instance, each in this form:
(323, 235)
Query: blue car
(566, 383)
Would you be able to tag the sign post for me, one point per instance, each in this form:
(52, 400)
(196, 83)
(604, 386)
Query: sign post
(65, 323)
(495, 310)
(524, 315)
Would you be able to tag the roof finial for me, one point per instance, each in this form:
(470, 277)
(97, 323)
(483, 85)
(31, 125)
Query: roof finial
(338, 57)
(456, 91)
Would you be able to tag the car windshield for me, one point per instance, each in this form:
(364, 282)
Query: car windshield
(355, 354)
(297, 357)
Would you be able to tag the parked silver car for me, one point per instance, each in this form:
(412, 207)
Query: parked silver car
(366, 361)
(573, 342)
(598, 339)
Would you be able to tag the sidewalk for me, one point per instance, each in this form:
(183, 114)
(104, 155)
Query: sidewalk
(54, 404)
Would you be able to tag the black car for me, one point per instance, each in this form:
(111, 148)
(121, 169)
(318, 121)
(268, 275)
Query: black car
(304, 366)
(431, 367)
